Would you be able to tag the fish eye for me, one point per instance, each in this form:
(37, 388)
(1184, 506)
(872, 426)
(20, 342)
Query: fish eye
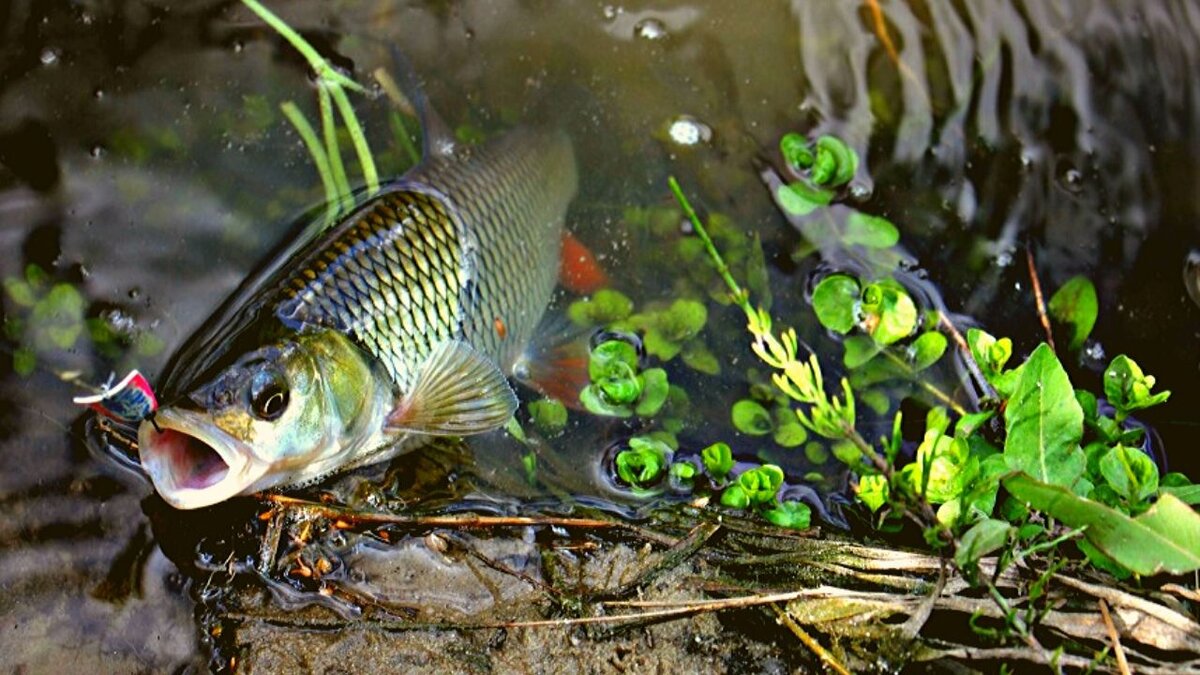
(268, 395)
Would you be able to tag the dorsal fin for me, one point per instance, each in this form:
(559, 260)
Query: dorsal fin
(437, 138)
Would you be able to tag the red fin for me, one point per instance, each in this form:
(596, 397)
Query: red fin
(556, 362)
(578, 271)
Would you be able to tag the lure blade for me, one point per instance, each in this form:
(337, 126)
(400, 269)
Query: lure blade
(130, 400)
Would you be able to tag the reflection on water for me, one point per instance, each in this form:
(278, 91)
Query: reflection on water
(143, 161)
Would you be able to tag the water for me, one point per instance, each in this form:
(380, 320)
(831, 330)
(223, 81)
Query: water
(143, 161)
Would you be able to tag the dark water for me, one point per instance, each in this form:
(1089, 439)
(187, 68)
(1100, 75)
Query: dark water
(143, 162)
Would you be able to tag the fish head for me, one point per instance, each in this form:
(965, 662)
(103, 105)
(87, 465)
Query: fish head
(271, 416)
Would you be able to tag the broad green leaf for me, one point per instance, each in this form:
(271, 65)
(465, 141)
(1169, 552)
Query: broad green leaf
(749, 417)
(1166, 538)
(1188, 494)
(1075, 305)
(984, 537)
(859, 350)
(549, 415)
(697, 356)
(801, 199)
(835, 162)
(1128, 389)
(1044, 422)
(889, 312)
(790, 435)
(796, 151)
(870, 231)
(735, 497)
(682, 474)
(991, 354)
(604, 307)
(873, 491)
(654, 392)
(761, 483)
(927, 349)
(834, 300)
(790, 514)
(1130, 473)
(718, 460)
(593, 401)
(608, 354)
(657, 344)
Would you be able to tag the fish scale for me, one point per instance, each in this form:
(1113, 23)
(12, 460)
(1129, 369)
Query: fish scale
(461, 245)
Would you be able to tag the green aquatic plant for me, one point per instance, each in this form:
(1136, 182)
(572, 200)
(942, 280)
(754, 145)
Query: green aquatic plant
(718, 461)
(1075, 305)
(618, 388)
(549, 416)
(644, 463)
(1041, 463)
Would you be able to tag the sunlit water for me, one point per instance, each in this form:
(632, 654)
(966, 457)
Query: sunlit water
(143, 160)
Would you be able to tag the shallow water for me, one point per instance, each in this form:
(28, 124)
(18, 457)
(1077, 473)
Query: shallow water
(143, 161)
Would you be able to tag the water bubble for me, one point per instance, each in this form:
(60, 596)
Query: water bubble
(1191, 275)
(1004, 258)
(1069, 178)
(611, 12)
(50, 56)
(1095, 351)
(98, 94)
(238, 46)
(687, 130)
(134, 293)
(650, 29)
(97, 151)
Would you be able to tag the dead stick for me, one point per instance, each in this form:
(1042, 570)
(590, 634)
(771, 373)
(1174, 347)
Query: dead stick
(695, 608)
(809, 641)
(1037, 296)
(1122, 664)
(344, 518)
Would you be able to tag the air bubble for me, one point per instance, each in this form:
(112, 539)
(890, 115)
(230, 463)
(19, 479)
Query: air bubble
(97, 151)
(49, 56)
(650, 29)
(687, 130)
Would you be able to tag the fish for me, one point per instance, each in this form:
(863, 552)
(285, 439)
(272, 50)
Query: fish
(400, 323)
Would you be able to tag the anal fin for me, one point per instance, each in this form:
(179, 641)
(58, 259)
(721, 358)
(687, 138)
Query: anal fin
(457, 392)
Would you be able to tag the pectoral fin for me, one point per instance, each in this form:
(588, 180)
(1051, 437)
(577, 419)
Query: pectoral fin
(457, 392)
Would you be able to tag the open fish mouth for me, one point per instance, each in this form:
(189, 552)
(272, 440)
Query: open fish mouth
(191, 462)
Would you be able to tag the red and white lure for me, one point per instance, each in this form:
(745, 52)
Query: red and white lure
(130, 400)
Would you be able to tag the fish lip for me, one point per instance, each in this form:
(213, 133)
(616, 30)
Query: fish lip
(170, 466)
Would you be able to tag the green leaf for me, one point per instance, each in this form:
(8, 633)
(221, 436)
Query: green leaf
(1075, 304)
(835, 162)
(718, 460)
(761, 483)
(991, 354)
(593, 401)
(24, 361)
(1128, 389)
(682, 474)
(644, 463)
(834, 301)
(790, 514)
(1130, 473)
(604, 307)
(873, 491)
(682, 320)
(790, 435)
(20, 292)
(549, 416)
(1044, 422)
(735, 497)
(859, 350)
(1188, 494)
(801, 199)
(654, 392)
(609, 354)
(749, 417)
(796, 151)
(889, 312)
(1166, 538)
(697, 356)
(927, 349)
(984, 537)
(658, 345)
(870, 231)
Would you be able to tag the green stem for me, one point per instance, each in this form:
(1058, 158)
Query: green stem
(318, 63)
(370, 176)
(317, 151)
(740, 296)
(937, 393)
(338, 170)
(400, 131)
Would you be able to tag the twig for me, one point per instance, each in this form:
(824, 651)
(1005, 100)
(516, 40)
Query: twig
(1038, 298)
(1122, 664)
(809, 641)
(684, 610)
